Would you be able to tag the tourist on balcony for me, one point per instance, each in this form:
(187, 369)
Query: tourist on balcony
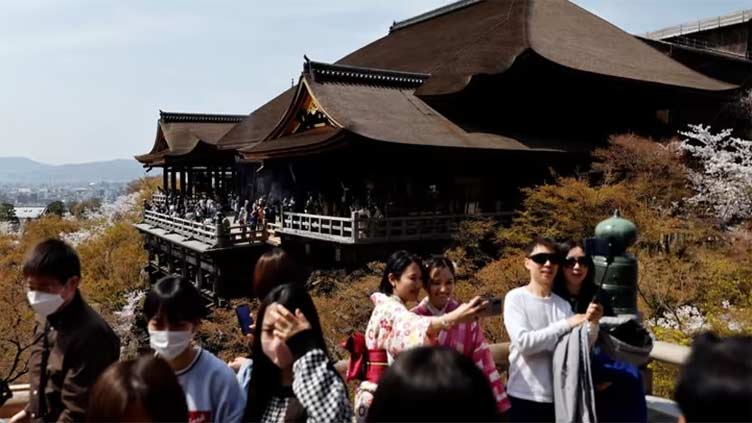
(535, 319)
(141, 390)
(392, 328)
(72, 344)
(715, 383)
(467, 338)
(433, 384)
(174, 309)
(619, 395)
(293, 377)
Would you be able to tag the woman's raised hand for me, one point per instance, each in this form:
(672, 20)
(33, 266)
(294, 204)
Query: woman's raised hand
(467, 312)
(286, 324)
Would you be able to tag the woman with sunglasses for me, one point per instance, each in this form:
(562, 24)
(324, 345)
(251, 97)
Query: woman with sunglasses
(576, 282)
(619, 396)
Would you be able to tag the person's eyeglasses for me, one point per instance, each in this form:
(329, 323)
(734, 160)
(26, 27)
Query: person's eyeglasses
(542, 258)
(570, 262)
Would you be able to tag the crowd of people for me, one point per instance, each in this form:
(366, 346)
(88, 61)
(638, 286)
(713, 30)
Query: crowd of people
(422, 360)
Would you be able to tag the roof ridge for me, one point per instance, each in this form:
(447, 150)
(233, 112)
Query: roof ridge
(328, 71)
(461, 4)
(199, 117)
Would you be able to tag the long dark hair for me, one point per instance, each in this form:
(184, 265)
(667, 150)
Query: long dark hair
(266, 377)
(589, 288)
(398, 262)
(433, 384)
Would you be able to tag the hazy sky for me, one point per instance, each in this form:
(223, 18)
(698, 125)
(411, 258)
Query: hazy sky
(82, 80)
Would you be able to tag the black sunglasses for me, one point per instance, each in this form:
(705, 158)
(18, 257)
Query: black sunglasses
(571, 261)
(542, 258)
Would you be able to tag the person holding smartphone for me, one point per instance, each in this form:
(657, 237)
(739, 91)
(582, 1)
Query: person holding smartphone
(619, 393)
(535, 319)
(467, 338)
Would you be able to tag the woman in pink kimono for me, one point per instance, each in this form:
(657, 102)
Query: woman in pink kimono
(466, 338)
(393, 328)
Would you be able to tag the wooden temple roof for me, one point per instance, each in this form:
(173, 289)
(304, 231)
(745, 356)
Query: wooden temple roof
(179, 134)
(471, 38)
(372, 104)
(486, 37)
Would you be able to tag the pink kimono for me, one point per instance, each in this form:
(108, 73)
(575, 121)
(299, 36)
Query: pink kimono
(393, 328)
(468, 339)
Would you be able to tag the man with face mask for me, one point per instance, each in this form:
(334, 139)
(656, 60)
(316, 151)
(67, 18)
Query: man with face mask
(72, 343)
(173, 309)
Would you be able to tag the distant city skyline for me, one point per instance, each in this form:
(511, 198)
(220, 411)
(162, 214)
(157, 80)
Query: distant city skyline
(83, 80)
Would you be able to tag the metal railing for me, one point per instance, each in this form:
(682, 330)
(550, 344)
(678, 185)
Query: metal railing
(360, 229)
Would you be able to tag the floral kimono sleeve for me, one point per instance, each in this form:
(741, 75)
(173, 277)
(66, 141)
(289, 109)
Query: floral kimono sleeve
(408, 330)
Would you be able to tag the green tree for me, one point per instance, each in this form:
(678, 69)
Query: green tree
(7, 212)
(56, 207)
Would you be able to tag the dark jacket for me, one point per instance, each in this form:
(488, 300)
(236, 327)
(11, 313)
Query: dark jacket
(81, 345)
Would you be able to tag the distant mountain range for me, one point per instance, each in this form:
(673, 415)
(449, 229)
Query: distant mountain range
(21, 169)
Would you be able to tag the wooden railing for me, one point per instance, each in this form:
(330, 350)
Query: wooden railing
(702, 25)
(187, 228)
(359, 229)
(662, 351)
(159, 198)
(327, 228)
(216, 235)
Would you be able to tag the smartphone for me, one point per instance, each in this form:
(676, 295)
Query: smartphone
(245, 320)
(494, 307)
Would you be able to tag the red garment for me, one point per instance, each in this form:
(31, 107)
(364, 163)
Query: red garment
(468, 339)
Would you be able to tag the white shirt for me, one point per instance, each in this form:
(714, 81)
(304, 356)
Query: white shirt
(211, 390)
(534, 325)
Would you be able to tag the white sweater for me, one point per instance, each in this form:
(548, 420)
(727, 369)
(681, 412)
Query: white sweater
(534, 325)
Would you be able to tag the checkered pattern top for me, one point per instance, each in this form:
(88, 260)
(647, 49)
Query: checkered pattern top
(316, 385)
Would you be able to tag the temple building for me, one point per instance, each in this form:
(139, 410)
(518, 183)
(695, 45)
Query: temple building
(443, 119)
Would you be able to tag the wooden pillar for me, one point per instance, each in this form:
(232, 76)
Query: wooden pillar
(164, 178)
(173, 179)
(183, 187)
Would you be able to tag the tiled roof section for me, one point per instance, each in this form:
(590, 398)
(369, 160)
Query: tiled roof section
(169, 117)
(432, 14)
(322, 72)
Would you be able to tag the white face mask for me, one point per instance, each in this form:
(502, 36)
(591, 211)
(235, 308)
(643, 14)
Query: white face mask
(44, 303)
(168, 344)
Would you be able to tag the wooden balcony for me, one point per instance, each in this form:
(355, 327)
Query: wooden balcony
(359, 229)
(198, 235)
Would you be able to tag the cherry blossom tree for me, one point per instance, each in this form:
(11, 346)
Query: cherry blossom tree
(720, 172)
